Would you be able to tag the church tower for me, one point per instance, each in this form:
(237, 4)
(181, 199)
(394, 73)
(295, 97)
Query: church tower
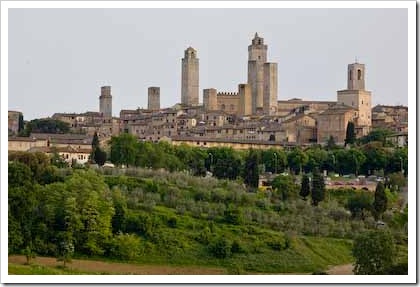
(357, 97)
(105, 102)
(190, 78)
(257, 56)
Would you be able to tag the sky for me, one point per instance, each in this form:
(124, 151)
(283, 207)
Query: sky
(59, 58)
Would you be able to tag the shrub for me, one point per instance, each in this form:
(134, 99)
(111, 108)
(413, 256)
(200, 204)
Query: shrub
(172, 222)
(220, 247)
(125, 246)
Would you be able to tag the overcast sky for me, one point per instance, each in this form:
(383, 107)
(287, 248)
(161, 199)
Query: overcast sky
(59, 58)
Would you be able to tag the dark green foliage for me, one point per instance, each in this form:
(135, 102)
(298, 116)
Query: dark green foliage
(48, 125)
(21, 124)
(376, 135)
(275, 161)
(398, 269)
(251, 172)
(359, 204)
(296, 159)
(381, 202)
(374, 252)
(318, 188)
(226, 163)
(99, 156)
(220, 247)
(350, 134)
(95, 141)
(305, 188)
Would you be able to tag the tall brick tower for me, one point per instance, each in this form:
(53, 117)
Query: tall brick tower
(257, 56)
(190, 78)
(105, 102)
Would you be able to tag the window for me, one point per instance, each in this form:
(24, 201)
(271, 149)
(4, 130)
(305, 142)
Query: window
(359, 74)
(350, 78)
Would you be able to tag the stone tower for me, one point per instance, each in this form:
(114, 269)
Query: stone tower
(153, 99)
(190, 78)
(245, 100)
(105, 101)
(270, 89)
(357, 97)
(210, 99)
(257, 56)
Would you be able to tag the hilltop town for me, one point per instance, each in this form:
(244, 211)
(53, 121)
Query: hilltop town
(251, 117)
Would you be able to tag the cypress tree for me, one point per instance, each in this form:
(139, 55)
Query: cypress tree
(380, 203)
(350, 134)
(305, 188)
(318, 188)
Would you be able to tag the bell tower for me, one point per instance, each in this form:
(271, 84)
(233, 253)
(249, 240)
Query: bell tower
(357, 97)
(356, 76)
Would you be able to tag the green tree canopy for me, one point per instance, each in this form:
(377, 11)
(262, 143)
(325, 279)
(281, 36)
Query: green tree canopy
(250, 172)
(374, 252)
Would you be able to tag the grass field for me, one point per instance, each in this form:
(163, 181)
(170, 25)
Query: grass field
(306, 255)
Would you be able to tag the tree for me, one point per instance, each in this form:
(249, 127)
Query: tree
(305, 188)
(124, 149)
(374, 252)
(95, 141)
(297, 159)
(358, 204)
(48, 125)
(274, 160)
(284, 186)
(380, 203)
(99, 156)
(318, 188)
(350, 134)
(251, 173)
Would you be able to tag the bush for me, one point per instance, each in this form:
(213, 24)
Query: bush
(220, 247)
(172, 222)
(125, 246)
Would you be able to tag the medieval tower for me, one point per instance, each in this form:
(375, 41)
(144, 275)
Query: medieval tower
(357, 97)
(257, 56)
(270, 104)
(105, 102)
(153, 98)
(262, 77)
(190, 78)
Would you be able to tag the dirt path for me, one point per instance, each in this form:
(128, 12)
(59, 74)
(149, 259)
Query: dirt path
(121, 268)
(341, 270)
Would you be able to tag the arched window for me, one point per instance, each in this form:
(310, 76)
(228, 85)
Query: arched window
(359, 74)
(350, 75)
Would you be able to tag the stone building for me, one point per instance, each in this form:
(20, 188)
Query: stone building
(393, 118)
(333, 122)
(105, 102)
(190, 78)
(357, 97)
(153, 98)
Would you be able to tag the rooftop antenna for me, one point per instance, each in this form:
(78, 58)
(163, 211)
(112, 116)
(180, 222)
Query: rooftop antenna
(355, 59)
